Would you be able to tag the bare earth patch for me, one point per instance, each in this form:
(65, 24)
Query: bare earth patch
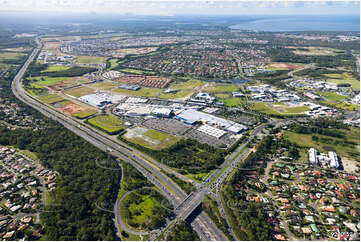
(350, 165)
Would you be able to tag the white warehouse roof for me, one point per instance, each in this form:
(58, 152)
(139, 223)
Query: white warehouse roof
(211, 131)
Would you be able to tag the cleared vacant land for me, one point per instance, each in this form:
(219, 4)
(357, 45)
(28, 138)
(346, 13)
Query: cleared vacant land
(188, 85)
(52, 98)
(46, 81)
(283, 66)
(136, 71)
(55, 68)
(332, 96)
(313, 50)
(344, 105)
(108, 123)
(150, 138)
(222, 88)
(84, 114)
(144, 92)
(105, 85)
(342, 79)
(90, 60)
(324, 143)
(4, 55)
(79, 91)
(177, 95)
(234, 102)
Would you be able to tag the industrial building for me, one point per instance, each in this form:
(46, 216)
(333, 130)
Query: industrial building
(100, 100)
(191, 116)
(218, 133)
(324, 160)
(312, 156)
(334, 159)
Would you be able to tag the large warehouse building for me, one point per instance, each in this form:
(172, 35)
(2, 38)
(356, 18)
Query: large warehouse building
(191, 116)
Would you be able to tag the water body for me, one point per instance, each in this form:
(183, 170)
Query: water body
(301, 23)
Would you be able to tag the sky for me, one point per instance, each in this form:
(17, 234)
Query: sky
(181, 7)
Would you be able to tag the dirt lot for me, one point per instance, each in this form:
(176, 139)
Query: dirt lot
(285, 65)
(72, 108)
(350, 165)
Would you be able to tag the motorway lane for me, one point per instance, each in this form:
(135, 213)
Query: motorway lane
(99, 141)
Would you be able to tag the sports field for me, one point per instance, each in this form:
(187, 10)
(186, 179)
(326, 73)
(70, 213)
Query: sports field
(79, 91)
(90, 59)
(143, 92)
(108, 123)
(150, 138)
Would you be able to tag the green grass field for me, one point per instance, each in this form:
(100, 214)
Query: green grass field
(84, 114)
(343, 78)
(51, 98)
(105, 85)
(146, 206)
(344, 106)
(300, 109)
(113, 63)
(108, 123)
(136, 71)
(332, 96)
(198, 177)
(305, 140)
(90, 59)
(153, 139)
(222, 88)
(56, 68)
(47, 81)
(143, 92)
(222, 95)
(62, 103)
(4, 55)
(263, 108)
(179, 94)
(233, 102)
(188, 85)
(79, 91)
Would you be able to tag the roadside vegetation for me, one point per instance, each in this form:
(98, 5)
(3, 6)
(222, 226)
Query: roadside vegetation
(144, 209)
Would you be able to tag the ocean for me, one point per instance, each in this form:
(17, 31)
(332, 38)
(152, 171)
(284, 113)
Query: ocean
(301, 23)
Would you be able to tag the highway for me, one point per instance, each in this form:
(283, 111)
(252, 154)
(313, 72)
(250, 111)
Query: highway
(202, 225)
